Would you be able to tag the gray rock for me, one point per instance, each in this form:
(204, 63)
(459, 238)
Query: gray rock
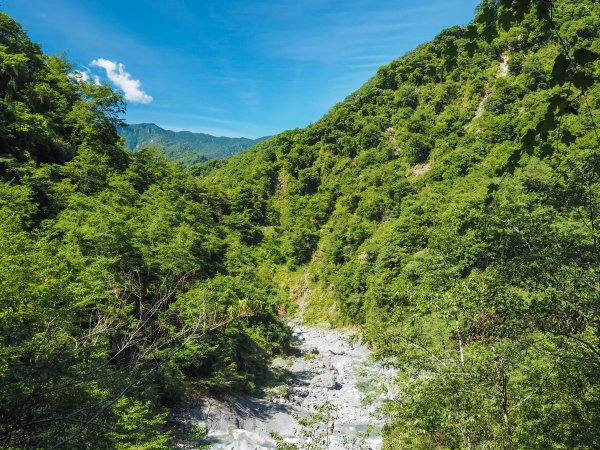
(331, 374)
(326, 380)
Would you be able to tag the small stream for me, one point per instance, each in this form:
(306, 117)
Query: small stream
(330, 366)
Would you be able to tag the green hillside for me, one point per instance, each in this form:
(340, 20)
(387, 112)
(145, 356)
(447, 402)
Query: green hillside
(450, 208)
(183, 147)
(123, 286)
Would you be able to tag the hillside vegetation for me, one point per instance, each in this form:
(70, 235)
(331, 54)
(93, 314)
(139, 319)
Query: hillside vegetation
(450, 208)
(123, 284)
(183, 147)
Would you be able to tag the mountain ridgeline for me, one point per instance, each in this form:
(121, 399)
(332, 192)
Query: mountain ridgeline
(183, 147)
(449, 208)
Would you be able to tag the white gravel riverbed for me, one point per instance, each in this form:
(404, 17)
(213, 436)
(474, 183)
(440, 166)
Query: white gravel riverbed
(330, 366)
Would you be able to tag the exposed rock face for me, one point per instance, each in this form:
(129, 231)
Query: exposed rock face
(333, 372)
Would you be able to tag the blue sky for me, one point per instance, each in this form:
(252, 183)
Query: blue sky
(234, 67)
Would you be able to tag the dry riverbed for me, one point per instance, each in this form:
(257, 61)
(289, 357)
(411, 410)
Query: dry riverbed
(331, 366)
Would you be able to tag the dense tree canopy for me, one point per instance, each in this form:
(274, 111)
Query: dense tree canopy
(450, 207)
(122, 283)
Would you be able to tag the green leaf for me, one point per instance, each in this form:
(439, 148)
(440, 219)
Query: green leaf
(543, 9)
(505, 20)
(560, 68)
(546, 150)
(557, 101)
(584, 56)
(471, 32)
(583, 80)
(492, 188)
(528, 139)
(471, 47)
(568, 137)
(513, 160)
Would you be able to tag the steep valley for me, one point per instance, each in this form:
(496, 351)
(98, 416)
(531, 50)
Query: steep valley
(447, 212)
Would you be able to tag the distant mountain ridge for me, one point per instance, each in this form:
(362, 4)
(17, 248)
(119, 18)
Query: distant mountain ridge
(184, 147)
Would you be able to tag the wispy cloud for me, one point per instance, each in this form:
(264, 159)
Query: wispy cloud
(116, 73)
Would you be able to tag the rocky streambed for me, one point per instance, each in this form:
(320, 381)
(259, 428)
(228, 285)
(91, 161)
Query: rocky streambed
(330, 368)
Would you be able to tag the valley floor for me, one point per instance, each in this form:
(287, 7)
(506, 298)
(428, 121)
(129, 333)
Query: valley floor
(330, 368)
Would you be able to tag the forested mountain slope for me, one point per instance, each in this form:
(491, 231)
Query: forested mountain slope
(123, 286)
(450, 207)
(183, 147)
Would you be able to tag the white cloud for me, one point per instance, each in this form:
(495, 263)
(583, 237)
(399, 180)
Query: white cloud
(116, 73)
